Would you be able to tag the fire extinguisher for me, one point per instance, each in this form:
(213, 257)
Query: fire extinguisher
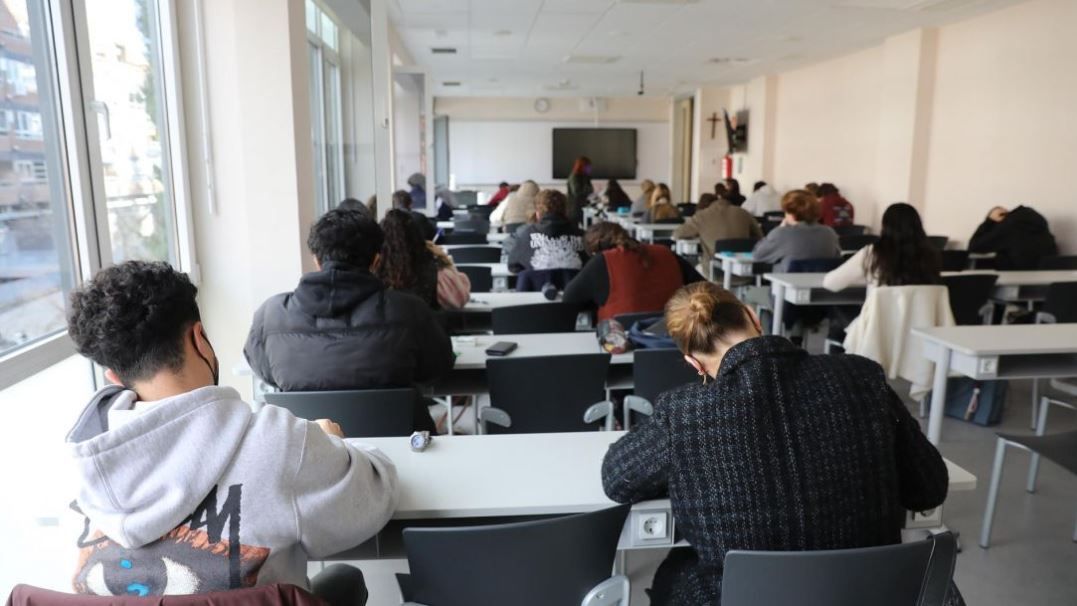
(727, 166)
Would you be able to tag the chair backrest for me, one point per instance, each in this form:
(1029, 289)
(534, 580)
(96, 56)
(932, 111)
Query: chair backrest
(277, 593)
(813, 266)
(533, 280)
(510, 228)
(465, 198)
(851, 230)
(968, 294)
(463, 238)
(480, 213)
(482, 279)
(909, 574)
(735, 245)
(774, 215)
(476, 254)
(655, 371)
(1061, 302)
(534, 318)
(548, 394)
(687, 209)
(1059, 262)
(472, 226)
(955, 260)
(669, 221)
(539, 563)
(938, 242)
(369, 413)
(856, 242)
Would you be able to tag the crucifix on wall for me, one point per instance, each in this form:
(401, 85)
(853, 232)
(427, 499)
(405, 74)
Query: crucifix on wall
(714, 119)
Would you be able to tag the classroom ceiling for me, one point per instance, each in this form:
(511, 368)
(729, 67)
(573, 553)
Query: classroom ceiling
(598, 47)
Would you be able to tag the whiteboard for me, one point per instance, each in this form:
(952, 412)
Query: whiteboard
(488, 152)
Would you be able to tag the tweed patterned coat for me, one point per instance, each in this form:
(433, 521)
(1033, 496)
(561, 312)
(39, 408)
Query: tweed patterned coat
(783, 451)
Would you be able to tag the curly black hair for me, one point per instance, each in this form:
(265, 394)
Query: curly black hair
(404, 253)
(345, 236)
(131, 318)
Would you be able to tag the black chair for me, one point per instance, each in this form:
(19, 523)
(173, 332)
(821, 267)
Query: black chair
(670, 221)
(851, 230)
(954, 260)
(482, 279)
(369, 413)
(687, 209)
(477, 254)
(547, 394)
(813, 266)
(538, 318)
(470, 226)
(852, 243)
(510, 228)
(970, 297)
(1059, 262)
(655, 371)
(480, 213)
(464, 238)
(1060, 303)
(910, 574)
(563, 560)
(938, 242)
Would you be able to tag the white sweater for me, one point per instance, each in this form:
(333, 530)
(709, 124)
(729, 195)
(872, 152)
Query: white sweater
(852, 273)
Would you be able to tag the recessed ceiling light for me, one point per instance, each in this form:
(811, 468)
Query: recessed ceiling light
(443, 50)
(451, 83)
(503, 33)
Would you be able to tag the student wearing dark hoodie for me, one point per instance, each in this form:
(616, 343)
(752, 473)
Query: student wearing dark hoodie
(552, 242)
(342, 328)
(1020, 237)
(184, 489)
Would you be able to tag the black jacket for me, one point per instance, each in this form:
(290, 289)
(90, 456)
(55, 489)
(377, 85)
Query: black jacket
(426, 227)
(783, 451)
(552, 243)
(1021, 239)
(341, 329)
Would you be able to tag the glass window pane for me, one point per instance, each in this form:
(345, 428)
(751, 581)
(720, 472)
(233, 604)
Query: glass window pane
(329, 31)
(317, 126)
(312, 17)
(333, 160)
(127, 82)
(35, 254)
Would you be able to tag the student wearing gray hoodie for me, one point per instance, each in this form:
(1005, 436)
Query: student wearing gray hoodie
(183, 488)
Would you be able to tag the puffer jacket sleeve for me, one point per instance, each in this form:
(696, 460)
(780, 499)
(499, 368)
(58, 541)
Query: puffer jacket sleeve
(436, 357)
(255, 348)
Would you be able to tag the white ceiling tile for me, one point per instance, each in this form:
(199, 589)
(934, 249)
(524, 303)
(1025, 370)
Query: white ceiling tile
(433, 6)
(576, 6)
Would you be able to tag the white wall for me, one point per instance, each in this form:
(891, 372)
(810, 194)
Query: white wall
(708, 151)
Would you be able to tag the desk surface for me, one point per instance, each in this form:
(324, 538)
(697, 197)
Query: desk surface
(473, 356)
(512, 475)
(485, 302)
(496, 238)
(1007, 339)
(459, 246)
(1005, 278)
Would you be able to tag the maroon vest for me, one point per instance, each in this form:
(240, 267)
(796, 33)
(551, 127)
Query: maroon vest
(635, 288)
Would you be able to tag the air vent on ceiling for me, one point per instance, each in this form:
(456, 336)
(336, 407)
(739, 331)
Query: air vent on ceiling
(591, 59)
(451, 83)
(443, 50)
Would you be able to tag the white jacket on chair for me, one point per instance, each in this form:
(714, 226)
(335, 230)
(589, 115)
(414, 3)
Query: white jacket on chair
(883, 331)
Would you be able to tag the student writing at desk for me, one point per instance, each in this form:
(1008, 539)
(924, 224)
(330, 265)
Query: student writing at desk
(774, 449)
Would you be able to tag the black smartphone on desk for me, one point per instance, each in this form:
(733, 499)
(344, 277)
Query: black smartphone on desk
(501, 348)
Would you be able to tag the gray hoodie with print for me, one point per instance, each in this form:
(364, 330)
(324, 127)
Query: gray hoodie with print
(198, 493)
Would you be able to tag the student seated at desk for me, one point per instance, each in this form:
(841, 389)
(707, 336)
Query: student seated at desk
(719, 220)
(660, 207)
(503, 190)
(413, 265)
(550, 241)
(342, 328)
(764, 199)
(732, 192)
(624, 276)
(615, 196)
(835, 210)
(800, 236)
(402, 201)
(164, 457)
(639, 205)
(1021, 237)
(518, 208)
(774, 449)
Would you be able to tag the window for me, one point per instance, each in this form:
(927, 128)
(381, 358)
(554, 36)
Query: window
(35, 253)
(323, 36)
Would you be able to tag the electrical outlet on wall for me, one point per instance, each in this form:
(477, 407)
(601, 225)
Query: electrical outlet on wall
(652, 526)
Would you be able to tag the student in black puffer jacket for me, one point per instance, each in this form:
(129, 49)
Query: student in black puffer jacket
(553, 242)
(1021, 237)
(772, 450)
(342, 328)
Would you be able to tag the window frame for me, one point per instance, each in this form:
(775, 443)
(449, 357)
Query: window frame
(327, 55)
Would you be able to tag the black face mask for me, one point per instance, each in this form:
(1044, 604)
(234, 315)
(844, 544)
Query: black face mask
(214, 369)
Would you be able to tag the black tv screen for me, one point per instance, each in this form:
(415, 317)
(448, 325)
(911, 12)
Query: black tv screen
(612, 151)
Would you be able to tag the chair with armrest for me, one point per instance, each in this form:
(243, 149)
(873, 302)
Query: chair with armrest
(1059, 262)
(463, 238)
(908, 574)
(853, 243)
(370, 413)
(471, 226)
(655, 371)
(1059, 307)
(954, 260)
(481, 278)
(938, 242)
(851, 230)
(547, 394)
(537, 318)
(475, 254)
(970, 297)
(563, 560)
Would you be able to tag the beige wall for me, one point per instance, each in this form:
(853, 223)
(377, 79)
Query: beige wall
(1004, 128)
(618, 109)
(707, 151)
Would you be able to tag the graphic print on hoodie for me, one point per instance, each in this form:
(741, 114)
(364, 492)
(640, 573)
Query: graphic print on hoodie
(203, 551)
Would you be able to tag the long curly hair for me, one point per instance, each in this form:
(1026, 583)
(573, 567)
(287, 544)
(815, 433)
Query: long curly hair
(604, 235)
(404, 252)
(903, 255)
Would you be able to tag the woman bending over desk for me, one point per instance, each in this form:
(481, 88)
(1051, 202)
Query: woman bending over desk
(773, 450)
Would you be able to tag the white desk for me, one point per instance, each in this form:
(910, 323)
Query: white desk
(525, 475)
(1034, 351)
(687, 248)
(448, 247)
(734, 264)
(496, 237)
(445, 224)
(472, 350)
(486, 302)
(646, 232)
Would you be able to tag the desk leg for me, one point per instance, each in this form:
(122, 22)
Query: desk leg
(727, 274)
(779, 310)
(938, 397)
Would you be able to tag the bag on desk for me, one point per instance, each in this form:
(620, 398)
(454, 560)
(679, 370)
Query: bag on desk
(651, 334)
(979, 402)
(612, 337)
